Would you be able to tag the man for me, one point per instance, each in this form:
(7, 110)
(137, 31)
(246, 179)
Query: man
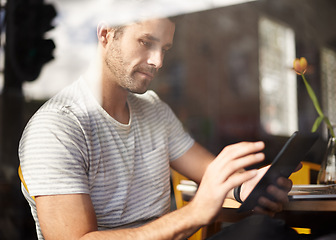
(97, 155)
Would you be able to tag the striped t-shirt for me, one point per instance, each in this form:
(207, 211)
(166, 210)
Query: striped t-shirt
(71, 145)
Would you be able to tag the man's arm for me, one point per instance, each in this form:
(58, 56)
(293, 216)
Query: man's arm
(193, 163)
(73, 216)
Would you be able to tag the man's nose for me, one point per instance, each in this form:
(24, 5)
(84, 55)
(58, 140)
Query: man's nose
(155, 59)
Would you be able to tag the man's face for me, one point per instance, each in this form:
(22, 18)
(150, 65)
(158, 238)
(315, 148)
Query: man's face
(135, 56)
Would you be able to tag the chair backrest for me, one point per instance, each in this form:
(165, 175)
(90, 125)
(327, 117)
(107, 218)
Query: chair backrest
(22, 180)
(307, 174)
(176, 179)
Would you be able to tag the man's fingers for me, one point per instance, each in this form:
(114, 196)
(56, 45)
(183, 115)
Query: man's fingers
(298, 167)
(240, 178)
(285, 183)
(246, 161)
(225, 169)
(279, 195)
(269, 206)
(241, 149)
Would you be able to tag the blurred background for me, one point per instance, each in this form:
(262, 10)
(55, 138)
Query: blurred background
(228, 78)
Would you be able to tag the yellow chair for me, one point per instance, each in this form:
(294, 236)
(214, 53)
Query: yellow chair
(176, 179)
(23, 181)
(305, 176)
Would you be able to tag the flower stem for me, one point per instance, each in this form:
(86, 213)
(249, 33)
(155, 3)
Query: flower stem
(317, 106)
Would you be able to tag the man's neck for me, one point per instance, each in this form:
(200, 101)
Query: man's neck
(114, 101)
(109, 95)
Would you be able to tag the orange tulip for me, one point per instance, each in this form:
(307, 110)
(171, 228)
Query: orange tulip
(300, 65)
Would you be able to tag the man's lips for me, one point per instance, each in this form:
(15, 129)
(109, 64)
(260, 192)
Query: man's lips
(148, 74)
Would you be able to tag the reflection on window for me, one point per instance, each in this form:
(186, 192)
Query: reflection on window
(328, 70)
(278, 96)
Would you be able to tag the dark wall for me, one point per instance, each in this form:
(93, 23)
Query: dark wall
(211, 77)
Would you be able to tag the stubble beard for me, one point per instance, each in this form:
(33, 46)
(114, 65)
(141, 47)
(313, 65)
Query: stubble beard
(126, 78)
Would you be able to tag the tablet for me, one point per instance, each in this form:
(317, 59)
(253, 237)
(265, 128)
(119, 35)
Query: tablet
(292, 153)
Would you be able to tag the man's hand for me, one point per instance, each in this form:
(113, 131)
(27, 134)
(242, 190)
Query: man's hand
(279, 193)
(223, 174)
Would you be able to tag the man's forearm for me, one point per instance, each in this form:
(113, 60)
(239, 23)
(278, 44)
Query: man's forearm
(179, 224)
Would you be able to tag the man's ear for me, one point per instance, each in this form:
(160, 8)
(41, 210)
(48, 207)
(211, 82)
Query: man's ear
(102, 33)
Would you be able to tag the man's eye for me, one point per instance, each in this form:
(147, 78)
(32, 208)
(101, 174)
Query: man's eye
(145, 43)
(165, 50)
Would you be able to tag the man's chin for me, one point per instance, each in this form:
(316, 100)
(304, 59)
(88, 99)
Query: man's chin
(138, 90)
(139, 85)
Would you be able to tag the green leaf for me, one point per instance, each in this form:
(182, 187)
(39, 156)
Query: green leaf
(317, 123)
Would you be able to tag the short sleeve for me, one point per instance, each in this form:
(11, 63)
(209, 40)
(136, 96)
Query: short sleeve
(53, 154)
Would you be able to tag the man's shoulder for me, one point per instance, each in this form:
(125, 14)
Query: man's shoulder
(68, 98)
(67, 105)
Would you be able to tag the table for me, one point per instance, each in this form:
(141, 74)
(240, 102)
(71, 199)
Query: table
(318, 215)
